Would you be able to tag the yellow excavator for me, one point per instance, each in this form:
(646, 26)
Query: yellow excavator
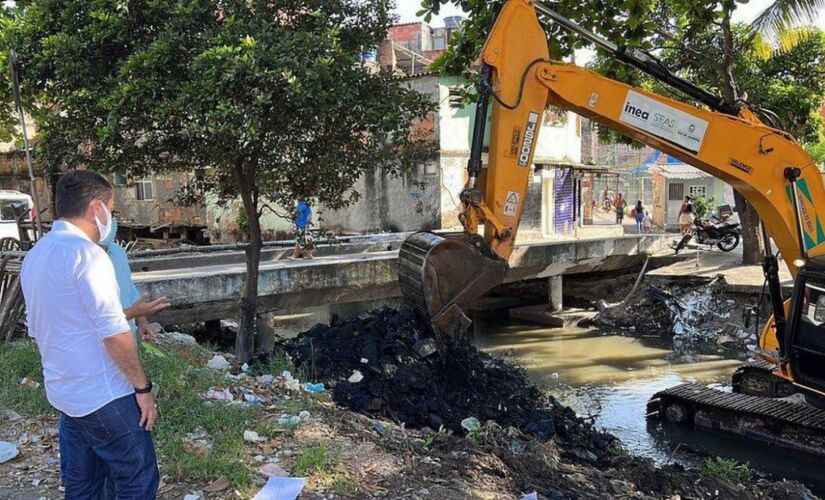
(441, 276)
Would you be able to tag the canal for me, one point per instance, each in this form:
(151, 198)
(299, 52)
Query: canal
(609, 379)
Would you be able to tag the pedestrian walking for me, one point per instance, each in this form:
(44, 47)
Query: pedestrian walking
(647, 222)
(303, 238)
(619, 204)
(91, 368)
(638, 215)
(686, 216)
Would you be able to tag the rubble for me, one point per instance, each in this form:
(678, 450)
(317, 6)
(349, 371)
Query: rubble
(33, 384)
(272, 470)
(218, 362)
(8, 451)
(177, 337)
(252, 437)
(217, 394)
(690, 315)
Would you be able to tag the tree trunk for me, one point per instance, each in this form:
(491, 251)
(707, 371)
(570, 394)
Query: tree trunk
(752, 246)
(245, 340)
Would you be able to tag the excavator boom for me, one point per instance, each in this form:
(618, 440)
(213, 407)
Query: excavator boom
(518, 80)
(442, 276)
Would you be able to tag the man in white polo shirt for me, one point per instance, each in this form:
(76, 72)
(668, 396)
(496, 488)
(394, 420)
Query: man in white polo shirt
(91, 367)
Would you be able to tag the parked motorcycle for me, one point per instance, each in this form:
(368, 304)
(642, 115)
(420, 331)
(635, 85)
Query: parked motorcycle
(723, 233)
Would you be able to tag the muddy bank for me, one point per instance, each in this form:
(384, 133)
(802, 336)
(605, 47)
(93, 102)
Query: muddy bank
(382, 365)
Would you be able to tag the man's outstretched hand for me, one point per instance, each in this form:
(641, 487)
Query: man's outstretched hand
(144, 307)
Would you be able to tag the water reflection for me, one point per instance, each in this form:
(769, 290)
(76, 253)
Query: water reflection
(609, 379)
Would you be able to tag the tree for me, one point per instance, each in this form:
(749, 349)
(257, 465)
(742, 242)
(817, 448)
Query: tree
(784, 14)
(265, 97)
(687, 31)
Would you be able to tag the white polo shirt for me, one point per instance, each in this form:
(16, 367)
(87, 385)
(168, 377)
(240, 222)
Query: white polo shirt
(72, 305)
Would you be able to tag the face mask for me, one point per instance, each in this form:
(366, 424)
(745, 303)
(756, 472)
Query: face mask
(104, 228)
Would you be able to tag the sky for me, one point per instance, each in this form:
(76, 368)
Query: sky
(406, 10)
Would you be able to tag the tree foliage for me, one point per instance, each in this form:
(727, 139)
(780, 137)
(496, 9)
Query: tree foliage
(266, 98)
(788, 82)
(626, 20)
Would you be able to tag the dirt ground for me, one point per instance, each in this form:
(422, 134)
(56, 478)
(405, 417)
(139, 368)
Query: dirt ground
(387, 450)
(384, 460)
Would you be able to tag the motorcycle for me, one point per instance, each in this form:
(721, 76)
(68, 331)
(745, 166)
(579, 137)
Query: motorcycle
(723, 233)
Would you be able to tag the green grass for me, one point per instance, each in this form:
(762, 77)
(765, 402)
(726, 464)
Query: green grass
(346, 486)
(182, 379)
(183, 410)
(728, 469)
(315, 459)
(277, 363)
(267, 429)
(17, 361)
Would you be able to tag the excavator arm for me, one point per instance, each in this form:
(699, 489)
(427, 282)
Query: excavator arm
(766, 165)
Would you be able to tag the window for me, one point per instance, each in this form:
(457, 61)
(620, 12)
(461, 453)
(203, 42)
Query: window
(675, 191)
(455, 97)
(696, 191)
(119, 178)
(11, 209)
(144, 190)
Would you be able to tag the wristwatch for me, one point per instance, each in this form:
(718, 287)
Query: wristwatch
(146, 389)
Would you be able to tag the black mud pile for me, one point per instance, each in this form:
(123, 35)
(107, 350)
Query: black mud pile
(408, 382)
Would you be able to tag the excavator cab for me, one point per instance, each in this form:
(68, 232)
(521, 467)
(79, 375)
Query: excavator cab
(805, 343)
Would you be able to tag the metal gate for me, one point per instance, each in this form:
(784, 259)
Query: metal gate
(565, 200)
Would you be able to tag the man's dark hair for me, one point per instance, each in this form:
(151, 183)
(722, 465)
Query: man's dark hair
(78, 188)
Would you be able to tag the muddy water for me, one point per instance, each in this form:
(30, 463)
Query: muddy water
(609, 379)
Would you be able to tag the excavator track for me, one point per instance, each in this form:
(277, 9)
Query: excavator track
(777, 421)
(757, 379)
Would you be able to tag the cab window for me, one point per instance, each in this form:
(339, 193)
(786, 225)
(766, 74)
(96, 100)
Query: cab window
(12, 207)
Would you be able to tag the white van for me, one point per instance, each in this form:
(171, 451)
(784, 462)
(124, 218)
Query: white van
(11, 203)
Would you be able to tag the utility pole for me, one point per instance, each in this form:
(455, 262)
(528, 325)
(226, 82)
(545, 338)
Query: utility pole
(18, 102)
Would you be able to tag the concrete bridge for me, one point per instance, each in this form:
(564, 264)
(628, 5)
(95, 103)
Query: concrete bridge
(207, 287)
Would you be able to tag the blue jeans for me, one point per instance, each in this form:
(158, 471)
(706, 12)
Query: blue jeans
(108, 451)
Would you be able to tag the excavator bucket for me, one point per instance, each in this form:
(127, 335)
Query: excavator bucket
(441, 277)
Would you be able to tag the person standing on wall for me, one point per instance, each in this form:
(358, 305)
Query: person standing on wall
(638, 215)
(619, 205)
(647, 222)
(91, 368)
(686, 215)
(303, 239)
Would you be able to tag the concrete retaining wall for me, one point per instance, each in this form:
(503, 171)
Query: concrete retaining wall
(212, 292)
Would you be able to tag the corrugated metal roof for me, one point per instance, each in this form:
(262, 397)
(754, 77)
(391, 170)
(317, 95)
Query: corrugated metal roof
(679, 171)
